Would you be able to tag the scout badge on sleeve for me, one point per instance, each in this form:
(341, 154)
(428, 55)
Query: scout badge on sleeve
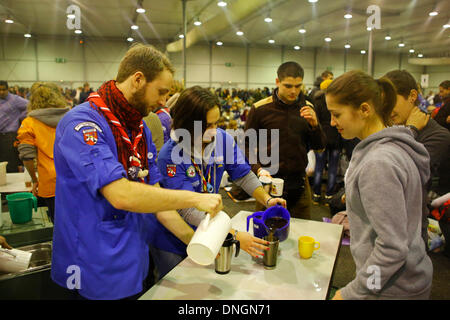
(190, 172)
(90, 136)
(171, 170)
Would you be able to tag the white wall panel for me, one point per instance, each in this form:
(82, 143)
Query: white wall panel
(225, 74)
(17, 70)
(237, 56)
(97, 51)
(265, 57)
(19, 49)
(70, 49)
(70, 71)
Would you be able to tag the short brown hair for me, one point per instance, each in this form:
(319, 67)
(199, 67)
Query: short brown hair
(143, 58)
(404, 82)
(290, 69)
(356, 87)
(445, 84)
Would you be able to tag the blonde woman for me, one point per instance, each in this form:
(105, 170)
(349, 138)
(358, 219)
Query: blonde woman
(36, 137)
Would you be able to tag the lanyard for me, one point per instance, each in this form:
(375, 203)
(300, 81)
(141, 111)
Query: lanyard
(207, 187)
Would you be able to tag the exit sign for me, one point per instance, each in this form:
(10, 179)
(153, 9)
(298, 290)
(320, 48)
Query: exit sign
(60, 60)
(228, 64)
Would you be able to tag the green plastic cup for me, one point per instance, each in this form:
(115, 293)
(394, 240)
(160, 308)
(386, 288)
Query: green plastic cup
(21, 206)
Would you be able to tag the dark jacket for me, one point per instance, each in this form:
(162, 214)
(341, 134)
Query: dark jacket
(296, 136)
(437, 142)
(333, 138)
(443, 113)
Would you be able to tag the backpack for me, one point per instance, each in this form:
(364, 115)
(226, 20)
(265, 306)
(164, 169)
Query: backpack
(442, 212)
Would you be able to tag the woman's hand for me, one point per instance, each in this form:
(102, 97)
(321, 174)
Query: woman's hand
(274, 201)
(252, 245)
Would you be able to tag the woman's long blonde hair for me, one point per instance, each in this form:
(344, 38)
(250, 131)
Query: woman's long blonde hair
(46, 95)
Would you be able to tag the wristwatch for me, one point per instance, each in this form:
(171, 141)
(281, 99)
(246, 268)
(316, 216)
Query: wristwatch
(267, 202)
(414, 130)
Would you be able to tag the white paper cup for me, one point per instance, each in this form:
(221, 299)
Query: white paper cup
(277, 187)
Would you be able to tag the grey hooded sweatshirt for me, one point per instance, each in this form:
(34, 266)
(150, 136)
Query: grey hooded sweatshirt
(48, 116)
(385, 185)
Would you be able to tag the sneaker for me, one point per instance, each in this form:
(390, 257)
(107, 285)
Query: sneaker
(316, 198)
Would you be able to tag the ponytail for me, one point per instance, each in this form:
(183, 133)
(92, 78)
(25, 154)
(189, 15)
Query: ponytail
(388, 99)
(355, 87)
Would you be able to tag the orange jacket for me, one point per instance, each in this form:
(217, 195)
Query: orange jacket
(42, 136)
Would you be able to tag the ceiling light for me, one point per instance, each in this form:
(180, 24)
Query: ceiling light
(411, 50)
(420, 55)
(446, 26)
(134, 27)
(9, 21)
(312, 1)
(27, 35)
(268, 19)
(327, 39)
(302, 30)
(271, 41)
(140, 10)
(363, 51)
(433, 13)
(401, 44)
(297, 48)
(347, 46)
(78, 31)
(197, 22)
(130, 39)
(388, 37)
(369, 29)
(348, 16)
(222, 4)
(71, 16)
(239, 33)
(219, 43)
(181, 36)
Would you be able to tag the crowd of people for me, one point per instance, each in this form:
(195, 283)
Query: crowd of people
(113, 148)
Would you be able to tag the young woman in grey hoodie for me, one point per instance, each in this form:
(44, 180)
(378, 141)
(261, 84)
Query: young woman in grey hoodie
(384, 184)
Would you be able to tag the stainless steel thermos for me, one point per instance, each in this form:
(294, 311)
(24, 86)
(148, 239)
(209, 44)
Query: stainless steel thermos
(223, 261)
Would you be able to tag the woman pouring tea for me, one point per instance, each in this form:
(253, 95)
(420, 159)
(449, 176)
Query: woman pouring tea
(194, 159)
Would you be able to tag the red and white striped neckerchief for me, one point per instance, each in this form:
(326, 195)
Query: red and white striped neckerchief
(97, 100)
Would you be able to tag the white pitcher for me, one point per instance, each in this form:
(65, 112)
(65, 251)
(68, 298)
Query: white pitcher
(208, 238)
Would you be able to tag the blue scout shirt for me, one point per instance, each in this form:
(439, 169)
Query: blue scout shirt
(183, 176)
(107, 246)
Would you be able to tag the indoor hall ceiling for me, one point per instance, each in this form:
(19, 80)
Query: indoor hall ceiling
(404, 20)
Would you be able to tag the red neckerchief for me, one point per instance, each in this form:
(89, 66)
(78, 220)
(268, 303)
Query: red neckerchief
(122, 116)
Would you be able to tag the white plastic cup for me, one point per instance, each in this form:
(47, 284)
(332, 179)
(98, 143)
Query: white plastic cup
(3, 172)
(266, 183)
(208, 238)
(277, 187)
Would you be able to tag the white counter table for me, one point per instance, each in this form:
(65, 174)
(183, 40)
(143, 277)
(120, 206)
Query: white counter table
(292, 279)
(14, 183)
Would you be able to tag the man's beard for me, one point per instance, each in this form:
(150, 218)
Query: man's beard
(137, 101)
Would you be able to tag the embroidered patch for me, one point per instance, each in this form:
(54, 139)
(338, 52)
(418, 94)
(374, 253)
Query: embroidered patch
(87, 124)
(190, 172)
(171, 170)
(150, 156)
(90, 136)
